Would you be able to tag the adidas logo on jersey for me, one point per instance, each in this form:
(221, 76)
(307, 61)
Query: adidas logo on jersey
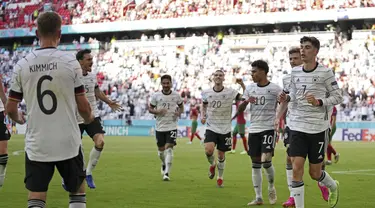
(320, 157)
(268, 147)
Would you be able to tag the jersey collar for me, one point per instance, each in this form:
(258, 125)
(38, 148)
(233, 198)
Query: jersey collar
(166, 93)
(316, 66)
(219, 90)
(264, 85)
(38, 49)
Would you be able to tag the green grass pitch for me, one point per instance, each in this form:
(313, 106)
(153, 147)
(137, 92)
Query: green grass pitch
(128, 175)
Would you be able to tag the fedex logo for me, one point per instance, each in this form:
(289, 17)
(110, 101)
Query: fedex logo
(183, 132)
(355, 135)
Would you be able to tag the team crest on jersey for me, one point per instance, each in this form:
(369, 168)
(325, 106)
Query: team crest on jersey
(316, 78)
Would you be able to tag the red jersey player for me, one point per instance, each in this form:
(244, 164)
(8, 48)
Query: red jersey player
(194, 112)
(330, 149)
(239, 129)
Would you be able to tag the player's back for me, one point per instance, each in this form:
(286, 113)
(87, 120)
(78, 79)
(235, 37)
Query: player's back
(263, 110)
(48, 80)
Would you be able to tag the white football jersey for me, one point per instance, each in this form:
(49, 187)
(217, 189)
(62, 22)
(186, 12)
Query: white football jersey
(219, 109)
(263, 111)
(48, 80)
(90, 83)
(322, 84)
(171, 101)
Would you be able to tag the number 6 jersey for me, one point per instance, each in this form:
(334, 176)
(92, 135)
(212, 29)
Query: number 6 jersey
(263, 111)
(219, 109)
(48, 79)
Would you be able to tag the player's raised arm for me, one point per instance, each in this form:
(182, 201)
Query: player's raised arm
(335, 94)
(15, 96)
(204, 108)
(100, 94)
(83, 105)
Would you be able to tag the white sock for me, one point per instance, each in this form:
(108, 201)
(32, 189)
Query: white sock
(270, 173)
(220, 168)
(162, 157)
(2, 174)
(327, 181)
(257, 179)
(211, 159)
(77, 201)
(299, 193)
(77, 205)
(289, 178)
(94, 158)
(3, 168)
(168, 160)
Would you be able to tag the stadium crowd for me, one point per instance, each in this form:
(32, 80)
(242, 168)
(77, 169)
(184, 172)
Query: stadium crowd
(23, 13)
(129, 73)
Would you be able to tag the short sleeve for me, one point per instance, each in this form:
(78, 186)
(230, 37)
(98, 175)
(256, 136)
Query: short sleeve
(16, 90)
(153, 101)
(78, 86)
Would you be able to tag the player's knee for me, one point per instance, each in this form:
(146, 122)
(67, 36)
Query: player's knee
(79, 198)
(242, 135)
(221, 155)
(99, 141)
(37, 196)
(267, 157)
(315, 174)
(161, 149)
(267, 164)
(3, 147)
(209, 153)
(256, 160)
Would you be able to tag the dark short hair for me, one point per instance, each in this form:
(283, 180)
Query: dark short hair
(294, 50)
(81, 54)
(166, 76)
(260, 64)
(313, 40)
(48, 24)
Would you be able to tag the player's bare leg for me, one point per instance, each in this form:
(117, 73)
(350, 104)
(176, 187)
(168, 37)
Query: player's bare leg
(289, 178)
(270, 173)
(3, 160)
(161, 155)
(78, 200)
(298, 187)
(168, 160)
(95, 153)
(257, 181)
(220, 168)
(37, 199)
(323, 177)
(209, 149)
(244, 142)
